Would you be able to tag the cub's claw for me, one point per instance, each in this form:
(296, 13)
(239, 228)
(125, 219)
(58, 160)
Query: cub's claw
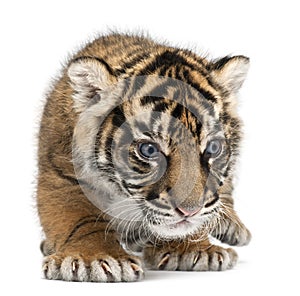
(105, 269)
(214, 258)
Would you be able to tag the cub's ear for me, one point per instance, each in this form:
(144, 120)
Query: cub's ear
(231, 72)
(89, 76)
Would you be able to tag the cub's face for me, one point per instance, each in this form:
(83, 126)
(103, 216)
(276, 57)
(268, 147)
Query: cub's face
(152, 152)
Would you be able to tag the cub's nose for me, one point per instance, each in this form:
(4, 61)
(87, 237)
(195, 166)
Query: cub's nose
(187, 213)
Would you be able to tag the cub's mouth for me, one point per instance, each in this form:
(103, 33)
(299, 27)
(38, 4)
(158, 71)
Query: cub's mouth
(178, 228)
(178, 225)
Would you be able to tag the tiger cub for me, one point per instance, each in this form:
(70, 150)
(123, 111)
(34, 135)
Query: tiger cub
(137, 147)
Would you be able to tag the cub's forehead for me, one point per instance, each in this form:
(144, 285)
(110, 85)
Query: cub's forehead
(176, 101)
(165, 109)
(147, 97)
(166, 120)
(159, 86)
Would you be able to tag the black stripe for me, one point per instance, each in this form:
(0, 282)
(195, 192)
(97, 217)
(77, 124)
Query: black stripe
(198, 117)
(97, 147)
(138, 169)
(219, 64)
(162, 71)
(208, 106)
(60, 172)
(117, 120)
(201, 69)
(198, 61)
(193, 112)
(125, 188)
(148, 134)
(147, 100)
(152, 195)
(108, 144)
(89, 233)
(130, 185)
(138, 58)
(119, 117)
(167, 58)
(162, 59)
(132, 161)
(139, 161)
(177, 111)
(79, 224)
(215, 199)
(178, 70)
(161, 106)
(207, 95)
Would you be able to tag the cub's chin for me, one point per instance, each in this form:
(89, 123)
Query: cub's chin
(178, 229)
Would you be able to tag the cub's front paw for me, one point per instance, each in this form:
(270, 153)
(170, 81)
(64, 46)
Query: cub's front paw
(98, 269)
(214, 258)
(233, 234)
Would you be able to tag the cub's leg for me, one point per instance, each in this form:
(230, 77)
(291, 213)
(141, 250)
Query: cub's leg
(189, 256)
(229, 228)
(77, 247)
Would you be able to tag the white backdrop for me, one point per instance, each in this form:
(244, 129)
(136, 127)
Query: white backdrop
(36, 37)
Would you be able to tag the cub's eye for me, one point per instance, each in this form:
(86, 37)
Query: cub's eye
(148, 150)
(213, 149)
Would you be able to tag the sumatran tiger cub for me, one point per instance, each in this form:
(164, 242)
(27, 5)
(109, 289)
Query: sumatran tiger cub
(137, 147)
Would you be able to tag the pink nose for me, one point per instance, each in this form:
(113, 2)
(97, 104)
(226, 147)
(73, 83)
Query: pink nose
(187, 213)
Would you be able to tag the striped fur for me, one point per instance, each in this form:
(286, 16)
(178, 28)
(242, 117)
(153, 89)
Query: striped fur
(95, 188)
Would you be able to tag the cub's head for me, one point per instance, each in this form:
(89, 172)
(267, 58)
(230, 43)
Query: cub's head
(155, 151)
